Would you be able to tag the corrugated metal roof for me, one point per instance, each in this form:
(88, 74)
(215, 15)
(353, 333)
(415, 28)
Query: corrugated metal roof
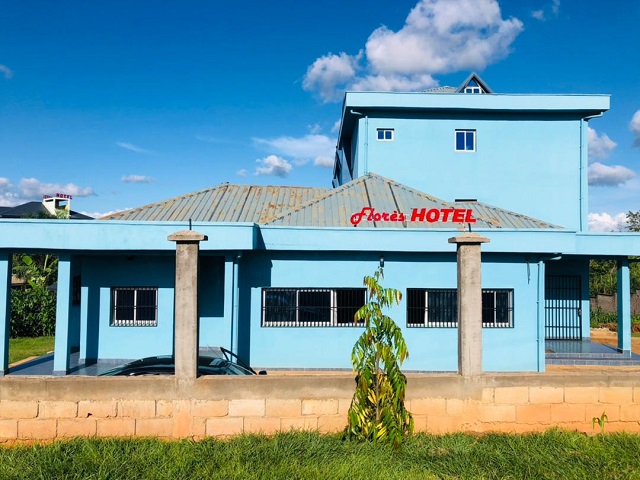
(320, 207)
(335, 208)
(224, 203)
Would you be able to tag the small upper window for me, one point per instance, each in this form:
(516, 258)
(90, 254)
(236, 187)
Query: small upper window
(465, 140)
(385, 134)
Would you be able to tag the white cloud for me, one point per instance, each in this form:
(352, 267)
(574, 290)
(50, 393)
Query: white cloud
(600, 146)
(609, 176)
(6, 71)
(554, 7)
(136, 179)
(329, 74)
(603, 222)
(98, 215)
(314, 147)
(538, 14)
(336, 126)
(438, 36)
(34, 189)
(325, 162)
(634, 126)
(273, 165)
(242, 173)
(131, 147)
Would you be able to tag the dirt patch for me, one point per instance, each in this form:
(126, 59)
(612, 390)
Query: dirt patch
(607, 337)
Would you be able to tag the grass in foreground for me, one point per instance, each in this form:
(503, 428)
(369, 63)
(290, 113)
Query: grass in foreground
(555, 454)
(21, 348)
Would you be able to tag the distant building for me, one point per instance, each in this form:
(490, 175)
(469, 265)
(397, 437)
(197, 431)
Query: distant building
(51, 206)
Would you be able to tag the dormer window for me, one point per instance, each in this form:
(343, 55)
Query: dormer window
(473, 87)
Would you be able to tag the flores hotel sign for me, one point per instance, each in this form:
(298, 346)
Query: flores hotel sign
(433, 215)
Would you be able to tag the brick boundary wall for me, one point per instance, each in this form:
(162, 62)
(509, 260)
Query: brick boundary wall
(44, 408)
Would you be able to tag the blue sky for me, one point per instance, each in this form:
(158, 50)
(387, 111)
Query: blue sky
(125, 103)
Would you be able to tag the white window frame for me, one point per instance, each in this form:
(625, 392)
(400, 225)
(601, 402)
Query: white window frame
(465, 132)
(297, 322)
(473, 89)
(384, 132)
(132, 322)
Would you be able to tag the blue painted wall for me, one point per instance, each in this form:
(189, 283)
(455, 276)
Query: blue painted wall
(431, 349)
(527, 164)
(98, 339)
(104, 341)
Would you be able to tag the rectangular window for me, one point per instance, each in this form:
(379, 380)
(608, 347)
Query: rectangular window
(385, 134)
(439, 308)
(465, 140)
(311, 307)
(134, 307)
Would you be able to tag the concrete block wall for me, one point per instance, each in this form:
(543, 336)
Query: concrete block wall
(56, 408)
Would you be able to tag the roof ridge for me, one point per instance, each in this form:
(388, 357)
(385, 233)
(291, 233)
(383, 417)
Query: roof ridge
(319, 198)
(197, 192)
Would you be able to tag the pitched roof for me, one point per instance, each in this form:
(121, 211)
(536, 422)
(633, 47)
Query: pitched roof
(318, 207)
(335, 208)
(474, 77)
(224, 203)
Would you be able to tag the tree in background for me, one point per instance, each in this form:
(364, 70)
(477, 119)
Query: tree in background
(33, 309)
(603, 277)
(633, 221)
(377, 411)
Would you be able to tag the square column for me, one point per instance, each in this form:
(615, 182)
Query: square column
(469, 303)
(624, 307)
(186, 302)
(62, 346)
(5, 310)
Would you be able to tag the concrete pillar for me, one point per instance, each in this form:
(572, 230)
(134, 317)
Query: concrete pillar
(5, 310)
(186, 302)
(624, 307)
(469, 303)
(62, 346)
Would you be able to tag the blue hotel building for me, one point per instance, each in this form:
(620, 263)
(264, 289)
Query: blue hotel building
(280, 275)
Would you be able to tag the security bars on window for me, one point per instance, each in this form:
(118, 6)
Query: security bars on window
(311, 307)
(438, 308)
(134, 306)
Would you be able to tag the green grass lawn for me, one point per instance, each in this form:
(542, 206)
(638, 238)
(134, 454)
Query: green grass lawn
(555, 454)
(21, 348)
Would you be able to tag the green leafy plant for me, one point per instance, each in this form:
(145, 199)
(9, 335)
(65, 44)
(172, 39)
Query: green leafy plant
(601, 421)
(33, 310)
(377, 412)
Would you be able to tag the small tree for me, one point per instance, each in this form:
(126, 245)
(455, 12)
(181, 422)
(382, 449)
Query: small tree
(377, 410)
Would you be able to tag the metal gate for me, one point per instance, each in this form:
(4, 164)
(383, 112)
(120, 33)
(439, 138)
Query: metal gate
(563, 315)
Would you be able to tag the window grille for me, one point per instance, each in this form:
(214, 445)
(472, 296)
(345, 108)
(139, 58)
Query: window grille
(134, 306)
(311, 307)
(438, 308)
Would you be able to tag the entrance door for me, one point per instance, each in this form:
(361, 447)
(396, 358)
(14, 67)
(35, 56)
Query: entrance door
(563, 315)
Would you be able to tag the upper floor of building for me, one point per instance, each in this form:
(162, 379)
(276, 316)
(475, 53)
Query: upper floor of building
(526, 153)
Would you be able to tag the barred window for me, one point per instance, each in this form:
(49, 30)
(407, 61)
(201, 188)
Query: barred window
(134, 306)
(439, 308)
(311, 307)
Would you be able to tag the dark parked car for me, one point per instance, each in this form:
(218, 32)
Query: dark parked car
(224, 363)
